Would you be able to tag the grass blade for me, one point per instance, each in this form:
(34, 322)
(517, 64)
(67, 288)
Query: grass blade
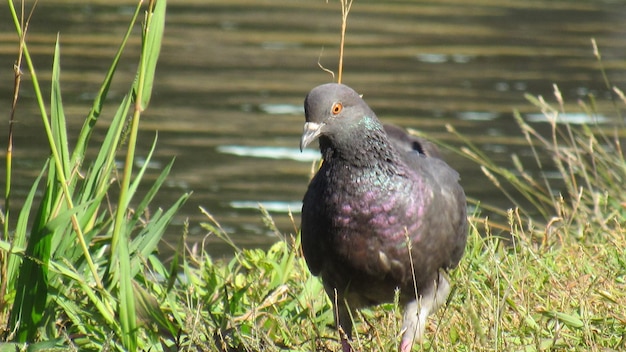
(153, 35)
(32, 283)
(90, 121)
(19, 238)
(57, 116)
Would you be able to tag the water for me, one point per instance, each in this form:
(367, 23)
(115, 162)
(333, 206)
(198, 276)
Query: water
(233, 75)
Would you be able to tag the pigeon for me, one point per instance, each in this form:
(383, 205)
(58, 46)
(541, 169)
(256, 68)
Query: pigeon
(404, 142)
(383, 214)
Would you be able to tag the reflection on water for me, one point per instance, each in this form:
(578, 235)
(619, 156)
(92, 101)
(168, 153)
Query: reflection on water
(309, 155)
(572, 119)
(233, 75)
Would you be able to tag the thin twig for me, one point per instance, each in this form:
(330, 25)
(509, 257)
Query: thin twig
(17, 68)
(319, 63)
(346, 5)
(605, 78)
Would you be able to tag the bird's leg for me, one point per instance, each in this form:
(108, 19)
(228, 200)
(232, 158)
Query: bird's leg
(414, 324)
(344, 326)
(443, 290)
(412, 328)
(343, 319)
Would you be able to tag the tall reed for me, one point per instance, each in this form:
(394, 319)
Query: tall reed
(80, 260)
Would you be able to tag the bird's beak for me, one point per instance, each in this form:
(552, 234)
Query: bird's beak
(311, 131)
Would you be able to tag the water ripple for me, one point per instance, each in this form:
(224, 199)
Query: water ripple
(307, 155)
(273, 206)
(570, 118)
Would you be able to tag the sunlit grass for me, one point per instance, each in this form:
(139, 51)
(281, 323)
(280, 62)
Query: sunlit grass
(551, 276)
(552, 281)
(538, 290)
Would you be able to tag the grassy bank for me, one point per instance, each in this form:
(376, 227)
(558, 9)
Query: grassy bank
(78, 274)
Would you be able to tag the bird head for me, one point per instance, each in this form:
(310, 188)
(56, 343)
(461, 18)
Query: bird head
(330, 110)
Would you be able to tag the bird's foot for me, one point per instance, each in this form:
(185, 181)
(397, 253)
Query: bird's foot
(345, 345)
(406, 345)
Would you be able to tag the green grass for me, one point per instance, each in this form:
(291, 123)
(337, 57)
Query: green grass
(542, 291)
(555, 281)
(79, 269)
(77, 275)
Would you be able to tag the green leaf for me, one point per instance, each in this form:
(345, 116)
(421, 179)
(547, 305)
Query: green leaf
(90, 121)
(147, 241)
(155, 25)
(19, 238)
(127, 299)
(137, 180)
(32, 284)
(57, 115)
(569, 320)
(149, 311)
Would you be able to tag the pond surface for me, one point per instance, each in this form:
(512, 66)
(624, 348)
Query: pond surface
(233, 74)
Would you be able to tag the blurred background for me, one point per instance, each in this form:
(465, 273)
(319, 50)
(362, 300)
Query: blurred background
(233, 74)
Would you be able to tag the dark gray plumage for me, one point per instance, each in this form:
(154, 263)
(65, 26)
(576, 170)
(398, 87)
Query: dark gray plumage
(404, 142)
(378, 193)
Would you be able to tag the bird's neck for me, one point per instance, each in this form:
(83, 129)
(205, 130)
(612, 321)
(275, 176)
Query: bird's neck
(360, 151)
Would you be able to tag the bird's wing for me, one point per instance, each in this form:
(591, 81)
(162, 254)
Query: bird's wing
(313, 231)
(404, 142)
(445, 222)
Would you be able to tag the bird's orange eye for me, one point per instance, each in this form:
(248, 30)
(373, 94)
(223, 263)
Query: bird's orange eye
(336, 108)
